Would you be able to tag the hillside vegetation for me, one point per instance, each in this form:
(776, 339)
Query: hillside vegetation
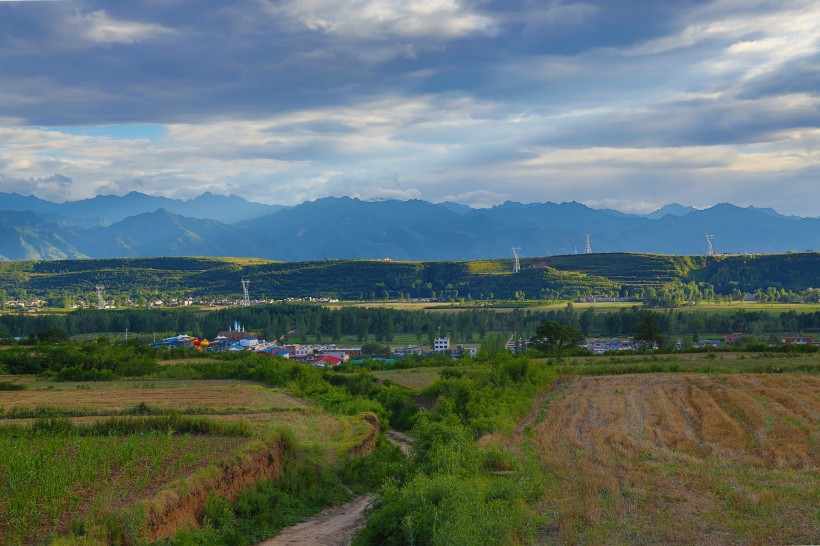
(553, 277)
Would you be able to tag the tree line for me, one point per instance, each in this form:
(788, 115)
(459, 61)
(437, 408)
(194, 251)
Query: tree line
(305, 322)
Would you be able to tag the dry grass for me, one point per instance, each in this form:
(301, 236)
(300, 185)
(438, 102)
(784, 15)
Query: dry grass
(177, 361)
(681, 459)
(415, 378)
(116, 396)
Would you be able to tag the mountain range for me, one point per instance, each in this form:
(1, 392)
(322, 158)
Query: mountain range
(137, 225)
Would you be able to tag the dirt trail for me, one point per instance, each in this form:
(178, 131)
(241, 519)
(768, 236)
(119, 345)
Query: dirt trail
(332, 527)
(400, 440)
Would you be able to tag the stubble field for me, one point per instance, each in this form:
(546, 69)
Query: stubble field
(680, 459)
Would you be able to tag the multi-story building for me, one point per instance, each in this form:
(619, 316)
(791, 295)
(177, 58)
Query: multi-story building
(441, 344)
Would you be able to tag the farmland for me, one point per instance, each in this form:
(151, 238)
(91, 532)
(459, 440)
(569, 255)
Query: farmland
(49, 479)
(107, 448)
(679, 458)
(110, 397)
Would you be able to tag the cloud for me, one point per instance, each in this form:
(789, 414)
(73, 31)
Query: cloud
(476, 198)
(98, 27)
(479, 101)
(387, 19)
(54, 188)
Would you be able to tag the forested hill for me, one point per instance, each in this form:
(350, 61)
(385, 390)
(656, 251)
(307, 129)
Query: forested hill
(551, 277)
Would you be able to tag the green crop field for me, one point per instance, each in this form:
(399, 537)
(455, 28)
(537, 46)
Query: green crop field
(80, 452)
(48, 478)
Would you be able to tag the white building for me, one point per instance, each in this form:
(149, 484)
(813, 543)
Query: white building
(441, 344)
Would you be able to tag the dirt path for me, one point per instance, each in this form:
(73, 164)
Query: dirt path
(332, 527)
(400, 440)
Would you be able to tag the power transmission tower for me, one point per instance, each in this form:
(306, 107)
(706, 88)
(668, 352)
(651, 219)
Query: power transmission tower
(100, 299)
(709, 239)
(588, 249)
(517, 262)
(246, 299)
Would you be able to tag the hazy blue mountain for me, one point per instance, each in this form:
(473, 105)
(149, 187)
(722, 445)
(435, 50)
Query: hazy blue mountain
(25, 203)
(619, 214)
(458, 208)
(736, 230)
(400, 230)
(674, 209)
(228, 210)
(103, 210)
(26, 236)
(771, 212)
(163, 233)
(350, 228)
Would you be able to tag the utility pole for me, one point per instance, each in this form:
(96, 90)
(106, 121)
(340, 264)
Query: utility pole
(100, 299)
(246, 299)
(516, 262)
(589, 246)
(711, 248)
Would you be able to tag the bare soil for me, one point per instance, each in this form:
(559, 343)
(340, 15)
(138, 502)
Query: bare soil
(400, 440)
(332, 527)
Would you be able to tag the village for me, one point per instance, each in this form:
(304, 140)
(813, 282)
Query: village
(325, 355)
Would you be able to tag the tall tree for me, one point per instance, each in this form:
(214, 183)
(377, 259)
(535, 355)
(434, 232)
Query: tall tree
(553, 337)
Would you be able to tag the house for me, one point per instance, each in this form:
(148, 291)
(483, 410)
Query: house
(731, 339)
(441, 344)
(326, 361)
(341, 355)
(798, 340)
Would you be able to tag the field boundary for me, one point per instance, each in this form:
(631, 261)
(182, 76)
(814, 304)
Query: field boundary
(181, 504)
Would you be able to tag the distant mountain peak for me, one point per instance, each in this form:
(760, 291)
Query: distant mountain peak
(674, 209)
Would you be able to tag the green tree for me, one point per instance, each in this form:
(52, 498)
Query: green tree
(552, 337)
(648, 331)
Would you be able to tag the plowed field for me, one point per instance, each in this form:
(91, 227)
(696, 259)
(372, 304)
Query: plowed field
(683, 459)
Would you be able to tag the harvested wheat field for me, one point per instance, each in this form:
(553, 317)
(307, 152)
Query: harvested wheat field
(117, 396)
(683, 459)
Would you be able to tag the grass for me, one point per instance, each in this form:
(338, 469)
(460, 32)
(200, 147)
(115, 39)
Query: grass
(713, 363)
(679, 458)
(69, 475)
(414, 378)
(50, 477)
(113, 397)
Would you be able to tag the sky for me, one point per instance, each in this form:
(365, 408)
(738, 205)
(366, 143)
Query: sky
(624, 104)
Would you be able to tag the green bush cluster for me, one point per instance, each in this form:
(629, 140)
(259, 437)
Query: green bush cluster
(307, 485)
(81, 362)
(451, 494)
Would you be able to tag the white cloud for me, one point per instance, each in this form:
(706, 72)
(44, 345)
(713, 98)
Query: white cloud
(387, 19)
(98, 27)
(477, 198)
